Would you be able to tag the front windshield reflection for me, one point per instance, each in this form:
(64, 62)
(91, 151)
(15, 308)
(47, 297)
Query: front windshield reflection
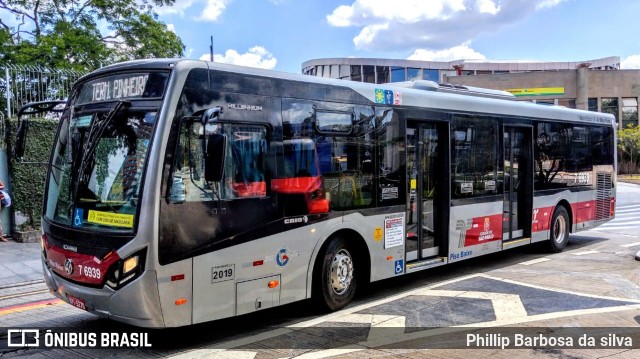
(95, 177)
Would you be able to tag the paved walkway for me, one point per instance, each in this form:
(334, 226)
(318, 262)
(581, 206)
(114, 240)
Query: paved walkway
(19, 262)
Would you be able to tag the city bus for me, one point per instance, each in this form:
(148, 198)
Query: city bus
(186, 191)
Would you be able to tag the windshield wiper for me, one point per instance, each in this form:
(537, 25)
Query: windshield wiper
(91, 143)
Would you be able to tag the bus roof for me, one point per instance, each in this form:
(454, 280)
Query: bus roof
(418, 94)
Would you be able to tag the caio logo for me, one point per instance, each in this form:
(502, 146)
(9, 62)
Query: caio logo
(296, 220)
(68, 266)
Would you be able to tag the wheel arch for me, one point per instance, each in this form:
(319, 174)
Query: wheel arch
(567, 206)
(361, 254)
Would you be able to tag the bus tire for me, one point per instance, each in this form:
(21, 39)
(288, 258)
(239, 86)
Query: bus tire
(336, 282)
(559, 230)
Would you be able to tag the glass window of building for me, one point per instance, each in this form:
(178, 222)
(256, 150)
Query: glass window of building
(609, 105)
(431, 75)
(369, 74)
(382, 74)
(593, 104)
(356, 73)
(629, 112)
(414, 74)
(398, 74)
(567, 102)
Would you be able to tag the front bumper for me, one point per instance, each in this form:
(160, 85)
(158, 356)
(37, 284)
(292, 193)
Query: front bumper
(137, 303)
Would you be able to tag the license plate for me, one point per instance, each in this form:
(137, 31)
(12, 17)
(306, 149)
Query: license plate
(77, 302)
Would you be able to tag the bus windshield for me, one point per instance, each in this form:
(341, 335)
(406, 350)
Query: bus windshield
(97, 165)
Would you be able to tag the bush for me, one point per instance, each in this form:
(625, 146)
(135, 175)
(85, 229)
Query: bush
(28, 177)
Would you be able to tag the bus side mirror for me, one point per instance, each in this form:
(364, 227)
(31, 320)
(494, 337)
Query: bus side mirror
(211, 115)
(32, 108)
(215, 155)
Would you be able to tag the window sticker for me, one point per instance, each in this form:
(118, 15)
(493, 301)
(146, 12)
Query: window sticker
(385, 97)
(393, 231)
(110, 219)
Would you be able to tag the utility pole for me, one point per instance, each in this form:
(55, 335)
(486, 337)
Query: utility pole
(211, 49)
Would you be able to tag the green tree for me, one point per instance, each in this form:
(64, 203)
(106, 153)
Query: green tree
(629, 149)
(66, 34)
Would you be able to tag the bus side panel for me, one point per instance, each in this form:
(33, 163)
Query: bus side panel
(543, 207)
(386, 262)
(475, 230)
(582, 211)
(174, 286)
(239, 279)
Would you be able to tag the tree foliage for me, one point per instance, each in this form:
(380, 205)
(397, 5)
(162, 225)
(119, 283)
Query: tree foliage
(83, 34)
(629, 149)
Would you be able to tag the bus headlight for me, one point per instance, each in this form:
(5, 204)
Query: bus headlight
(126, 270)
(129, 264)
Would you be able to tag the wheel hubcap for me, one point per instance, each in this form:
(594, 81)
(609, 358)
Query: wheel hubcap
(341, 271)
(560, 229)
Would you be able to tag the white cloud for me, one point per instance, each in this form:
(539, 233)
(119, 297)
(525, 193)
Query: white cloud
(488, 7)
(630, 62)
(363, 12)
(548, 3)
(256, 56)
(461, 52)
(433, 24)
(171, 27)
(178, 8)
(213, 10)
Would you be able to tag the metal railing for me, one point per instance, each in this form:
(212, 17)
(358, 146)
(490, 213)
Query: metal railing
(20, 85)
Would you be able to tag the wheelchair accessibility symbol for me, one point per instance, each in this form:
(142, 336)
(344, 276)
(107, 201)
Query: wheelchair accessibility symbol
(78, 213)
(399, 266)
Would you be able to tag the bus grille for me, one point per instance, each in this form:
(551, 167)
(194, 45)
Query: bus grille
(603, 203)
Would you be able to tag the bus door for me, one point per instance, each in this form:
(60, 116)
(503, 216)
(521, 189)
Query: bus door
(518, 182)
(427, 195)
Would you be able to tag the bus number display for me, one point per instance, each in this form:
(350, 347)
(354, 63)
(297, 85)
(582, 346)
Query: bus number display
(222, 273)
(90, 272)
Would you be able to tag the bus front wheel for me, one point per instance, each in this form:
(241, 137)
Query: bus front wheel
(559, 230)
(336, 282)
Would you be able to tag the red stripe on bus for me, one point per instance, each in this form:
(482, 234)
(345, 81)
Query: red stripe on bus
(582, 212)
(79, 267)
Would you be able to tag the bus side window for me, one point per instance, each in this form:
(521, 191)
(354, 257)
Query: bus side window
(241, 172)
(244, 165)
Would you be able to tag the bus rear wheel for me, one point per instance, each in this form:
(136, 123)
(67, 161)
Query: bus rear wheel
(336, 283)
(559, 230)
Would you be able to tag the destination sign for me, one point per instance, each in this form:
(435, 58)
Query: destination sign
(123, 86)
(119, 88)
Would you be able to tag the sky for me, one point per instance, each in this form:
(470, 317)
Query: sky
(282, 34)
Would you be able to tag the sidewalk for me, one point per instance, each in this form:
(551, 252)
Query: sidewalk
(19, 262)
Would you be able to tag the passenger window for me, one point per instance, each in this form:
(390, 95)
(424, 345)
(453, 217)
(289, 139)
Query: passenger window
(334, 144)
(475, 169)
(563, 155)
(243, 164)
